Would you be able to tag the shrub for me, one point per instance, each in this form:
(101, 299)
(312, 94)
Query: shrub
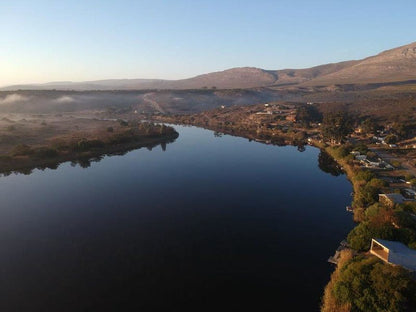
(364, 175)
(409, 177)
(378, 183)
(369, 285)
(362, 148)
(371, 155)
(396, 163)
(360, 237)
(391, 139)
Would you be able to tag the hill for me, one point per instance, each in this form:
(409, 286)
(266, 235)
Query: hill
(392, 66)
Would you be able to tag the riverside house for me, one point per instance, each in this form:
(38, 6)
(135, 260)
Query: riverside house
(394, 253)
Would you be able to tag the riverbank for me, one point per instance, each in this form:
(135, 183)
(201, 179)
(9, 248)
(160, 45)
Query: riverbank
(29, 143)
(271, 123)
(374, 220)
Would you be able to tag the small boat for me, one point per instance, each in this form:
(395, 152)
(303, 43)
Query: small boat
(349, 208)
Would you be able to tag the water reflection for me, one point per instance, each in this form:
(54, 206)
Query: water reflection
(84, 161)
(301, 148)
(328, 164)
(213, 223)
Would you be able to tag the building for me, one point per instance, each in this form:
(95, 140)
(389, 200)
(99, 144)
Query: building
(409, 193)
(360, 157)
(291, 117)
(391, 199)
(394, 253)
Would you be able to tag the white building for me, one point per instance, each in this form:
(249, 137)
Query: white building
(394, 253)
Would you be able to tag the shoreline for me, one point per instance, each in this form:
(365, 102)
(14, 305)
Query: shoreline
(26, 164)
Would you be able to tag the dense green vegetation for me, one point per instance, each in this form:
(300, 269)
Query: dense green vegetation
(336, 126)
(307, 114)
(365, 284)
(391, 223)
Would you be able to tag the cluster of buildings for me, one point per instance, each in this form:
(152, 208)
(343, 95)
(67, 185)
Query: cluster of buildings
(288, 113)
(390, 199)
(392, 252)
(371, 163)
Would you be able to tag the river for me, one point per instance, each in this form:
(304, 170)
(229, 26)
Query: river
(206, 223)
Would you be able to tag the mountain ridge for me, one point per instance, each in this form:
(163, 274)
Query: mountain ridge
(393, 65)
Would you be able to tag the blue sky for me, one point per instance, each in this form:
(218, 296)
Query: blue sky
(86, 40)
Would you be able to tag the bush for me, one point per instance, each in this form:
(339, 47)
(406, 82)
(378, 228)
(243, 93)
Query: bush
(396, 163)
(341, 151)
(369, 285)
(378, 183)
(360, 237)
(362, 148)
(366, 196)
(364, 175)
(371, 155)
(409, 177)
(391, 139)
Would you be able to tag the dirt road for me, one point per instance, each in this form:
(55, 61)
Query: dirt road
(147, 98)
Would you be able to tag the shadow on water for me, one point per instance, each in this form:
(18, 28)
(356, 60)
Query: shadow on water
(327, 164)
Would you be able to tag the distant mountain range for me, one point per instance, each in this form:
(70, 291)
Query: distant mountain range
(395, 65)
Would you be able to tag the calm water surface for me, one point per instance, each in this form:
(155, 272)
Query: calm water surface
(216, 224)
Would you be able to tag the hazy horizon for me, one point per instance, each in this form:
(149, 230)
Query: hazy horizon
(48, 42)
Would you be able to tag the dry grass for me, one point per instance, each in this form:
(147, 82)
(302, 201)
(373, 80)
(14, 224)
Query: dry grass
(329, 302)
(49, 129)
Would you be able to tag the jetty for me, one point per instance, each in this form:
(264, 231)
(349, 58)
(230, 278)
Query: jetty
(335, 258)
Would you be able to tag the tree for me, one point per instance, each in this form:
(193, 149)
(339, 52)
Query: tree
(368, 126)
(307, 114)
(391, 139)
(400, 129)
(336, 126)
(370, 285)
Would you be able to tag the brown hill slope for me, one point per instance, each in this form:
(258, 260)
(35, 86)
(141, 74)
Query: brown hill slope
(394, 65)
(398, 64)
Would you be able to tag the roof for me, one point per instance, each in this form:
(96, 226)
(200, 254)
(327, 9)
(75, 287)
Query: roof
(409, 190)
(395, 198)
(399, 253)
(394, 246)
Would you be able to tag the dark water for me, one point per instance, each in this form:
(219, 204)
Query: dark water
(216, 224)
